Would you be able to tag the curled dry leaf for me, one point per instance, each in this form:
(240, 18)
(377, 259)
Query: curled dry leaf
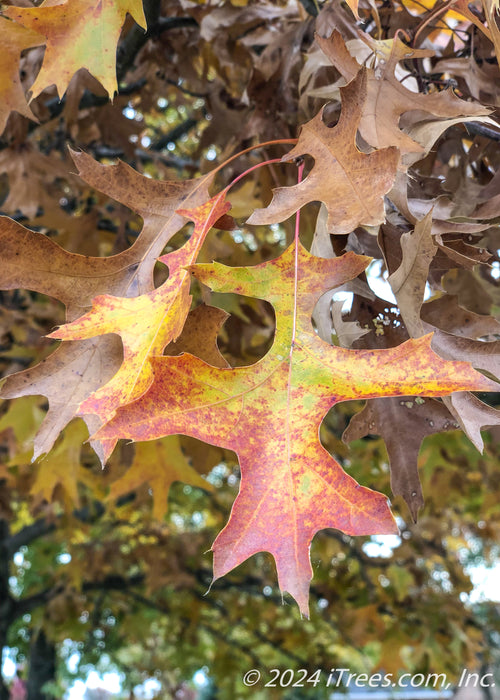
(472, 414)
(388, 99)
(447, 314)
(347, 331)
(409, 280)
(482, 355)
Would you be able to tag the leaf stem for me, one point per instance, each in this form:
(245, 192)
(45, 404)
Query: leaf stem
(254, 167)
(252, 148)
(296, 240)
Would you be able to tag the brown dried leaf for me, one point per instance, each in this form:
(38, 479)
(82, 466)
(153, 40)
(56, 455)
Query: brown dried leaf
(446, 313)
(351, 184)
(388, 99)
(67, 377)
(403, 423)
(199, 335)
(35, 180)
(472, 415)
(409, 280)
(481, 355)
(347, 331)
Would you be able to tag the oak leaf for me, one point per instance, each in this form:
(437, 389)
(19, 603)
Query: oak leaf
(350, 183)
(428, 130)
(479, 82)
(347, 332)
(461, 254)
(158, 463)
(78, 34)
(491, 9)
(147, 323)
(66, 378)
(62, 469)
(32, 261)
(199, 335)
(15, 39)
(470, 412)
(448, 315)
(472, 415)
(18, 427)
(409, 280)
(162, 462)
(388, 99)
(483, 355)
(36, 181)
(467, 411)
(270, 413)
(392, 418)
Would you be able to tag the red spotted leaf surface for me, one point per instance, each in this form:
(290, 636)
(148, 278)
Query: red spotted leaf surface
(269, 414)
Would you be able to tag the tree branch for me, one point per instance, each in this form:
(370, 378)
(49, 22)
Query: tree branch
(223, 637)
(174, 134)
(137, 37)
(28, 534)
(112, 582)
(482, 130)
(26, 605)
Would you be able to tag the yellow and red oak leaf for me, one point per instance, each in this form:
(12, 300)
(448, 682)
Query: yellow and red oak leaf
(350, 183)
(269, 414)
(161, 462)
(78, 34)
(32, 261)
(15, 39)
(146, 323)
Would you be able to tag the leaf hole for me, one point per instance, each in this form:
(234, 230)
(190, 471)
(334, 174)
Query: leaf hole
(248, 334)
(331, 114)
(308, 162)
